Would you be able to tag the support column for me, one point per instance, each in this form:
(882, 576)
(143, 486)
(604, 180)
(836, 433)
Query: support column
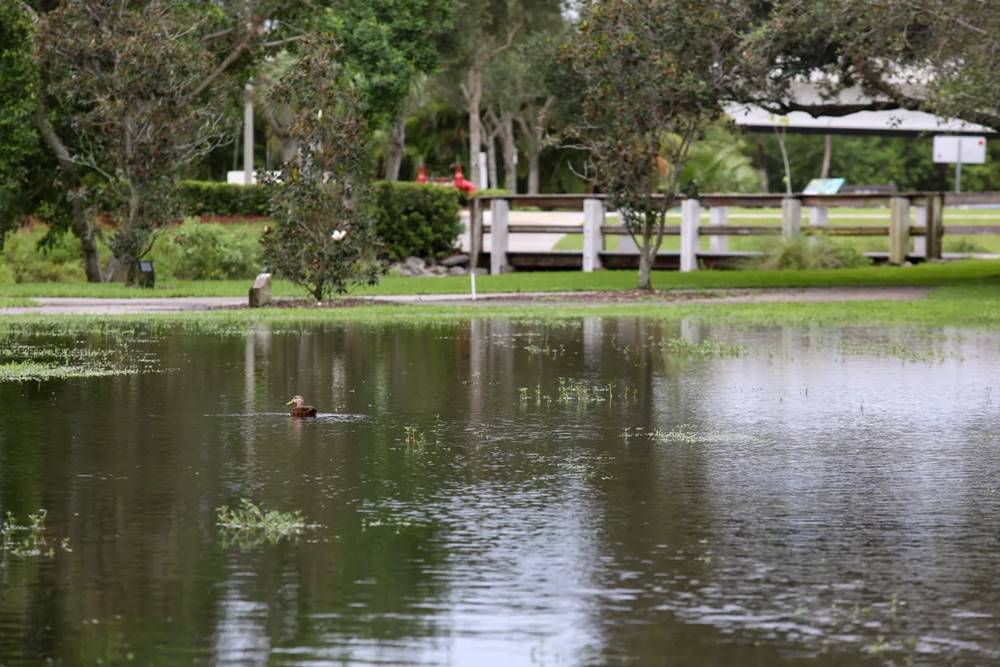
(248, 178)
(791, 218)
(500, 218)
(899, 230)
(718, 215)
(593, 241)
(690, 241)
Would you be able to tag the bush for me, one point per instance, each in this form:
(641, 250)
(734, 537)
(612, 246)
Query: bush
(208, 251)
(33, 255)
(818, 252)
(214, 198)
(416, 219)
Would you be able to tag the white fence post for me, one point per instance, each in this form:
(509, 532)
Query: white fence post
(690, 219)
(920, 242)
(819, 216)
(593, 241)
(899, 230)
(500, 218)
(718, 215)
(791, 218)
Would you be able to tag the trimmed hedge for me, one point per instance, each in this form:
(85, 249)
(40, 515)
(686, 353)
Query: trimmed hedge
(416, 219)
(411, 218)
(215, 198)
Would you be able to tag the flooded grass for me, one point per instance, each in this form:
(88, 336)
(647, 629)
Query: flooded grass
(22, 362)
(27, 540)
(249, 525)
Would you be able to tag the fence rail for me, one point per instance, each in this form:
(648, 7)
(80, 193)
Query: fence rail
(926, 231)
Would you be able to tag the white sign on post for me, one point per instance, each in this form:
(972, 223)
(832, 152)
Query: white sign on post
(967, 150)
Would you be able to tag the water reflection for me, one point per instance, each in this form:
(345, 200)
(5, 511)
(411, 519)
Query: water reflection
(774, 496)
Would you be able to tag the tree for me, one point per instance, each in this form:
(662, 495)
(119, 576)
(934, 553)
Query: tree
(652, 75)
(939, 56)
(134, 80)
(324, 237)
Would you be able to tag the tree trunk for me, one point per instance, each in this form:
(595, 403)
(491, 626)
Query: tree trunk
(397, 143)
(82, 226)
(509, 153)
(474, 96)
(645, 266)
(780, 134)
(824, 171)
(534, 169)
(491, 159)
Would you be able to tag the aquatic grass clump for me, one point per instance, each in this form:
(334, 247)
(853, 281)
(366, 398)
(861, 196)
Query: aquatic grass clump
(250, 525)
(22, 363)
(577, 392)
(26, 540)
(706, 349)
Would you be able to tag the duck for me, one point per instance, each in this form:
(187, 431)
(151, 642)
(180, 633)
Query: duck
(300, 409)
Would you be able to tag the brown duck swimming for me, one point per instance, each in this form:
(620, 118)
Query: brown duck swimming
(300, 409)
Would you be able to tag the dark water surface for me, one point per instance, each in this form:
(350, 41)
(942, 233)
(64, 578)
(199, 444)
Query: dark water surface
(516, 493)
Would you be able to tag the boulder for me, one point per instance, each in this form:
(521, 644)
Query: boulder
(456, 271)
(416, 266)
(455, 260)
(260, 291)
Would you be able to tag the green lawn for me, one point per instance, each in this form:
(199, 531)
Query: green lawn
(934, 275)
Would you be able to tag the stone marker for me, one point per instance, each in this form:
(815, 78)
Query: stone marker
(260, 293)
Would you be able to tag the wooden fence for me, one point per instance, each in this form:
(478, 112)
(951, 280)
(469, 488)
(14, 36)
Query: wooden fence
(927, 229)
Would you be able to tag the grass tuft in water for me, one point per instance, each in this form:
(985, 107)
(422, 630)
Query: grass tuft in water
(250, 525)
(26, 540)
(706, 349)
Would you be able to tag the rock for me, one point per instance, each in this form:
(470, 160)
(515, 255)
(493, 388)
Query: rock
(260, 291)
(416, 266)
(455, 260)
(400, 269)
(439, 270)
(456, 271)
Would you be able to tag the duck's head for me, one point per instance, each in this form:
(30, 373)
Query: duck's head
(297, 401)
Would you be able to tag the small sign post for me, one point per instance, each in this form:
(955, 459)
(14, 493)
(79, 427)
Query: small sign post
(958, 151)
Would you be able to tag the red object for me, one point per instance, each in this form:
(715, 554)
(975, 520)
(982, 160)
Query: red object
(465, 186)
(458, 180)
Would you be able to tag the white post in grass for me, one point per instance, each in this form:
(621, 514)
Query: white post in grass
(819, 216)
(593, 241)
(899, 230)
(718, 215)
(920, 242)
(500, 209)
(791, 218)
(690, 219)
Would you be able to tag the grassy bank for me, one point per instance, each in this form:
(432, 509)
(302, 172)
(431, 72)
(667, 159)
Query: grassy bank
(966, 307)
(927, 275)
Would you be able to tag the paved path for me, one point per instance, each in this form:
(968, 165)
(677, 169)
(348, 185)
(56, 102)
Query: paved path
(56, 306)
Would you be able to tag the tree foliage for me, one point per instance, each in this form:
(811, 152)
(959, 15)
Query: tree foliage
(324, 237)
(653, 74)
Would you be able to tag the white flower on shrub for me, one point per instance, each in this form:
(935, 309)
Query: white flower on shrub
(338, 235)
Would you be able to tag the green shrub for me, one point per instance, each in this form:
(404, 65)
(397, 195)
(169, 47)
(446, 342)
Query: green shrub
(963, 245)
(416, 219)
(214, 198)
(817, 252)
(32, 255)
(208, 251)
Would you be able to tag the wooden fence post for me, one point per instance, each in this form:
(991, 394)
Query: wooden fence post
(593, 241)
(690, 242)
(899, 230)
(791, 218)
(718, 215)
(935, 226)
(920, 220)
(499, 222)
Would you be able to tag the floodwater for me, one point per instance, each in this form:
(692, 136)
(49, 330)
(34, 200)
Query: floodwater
(602, 491)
